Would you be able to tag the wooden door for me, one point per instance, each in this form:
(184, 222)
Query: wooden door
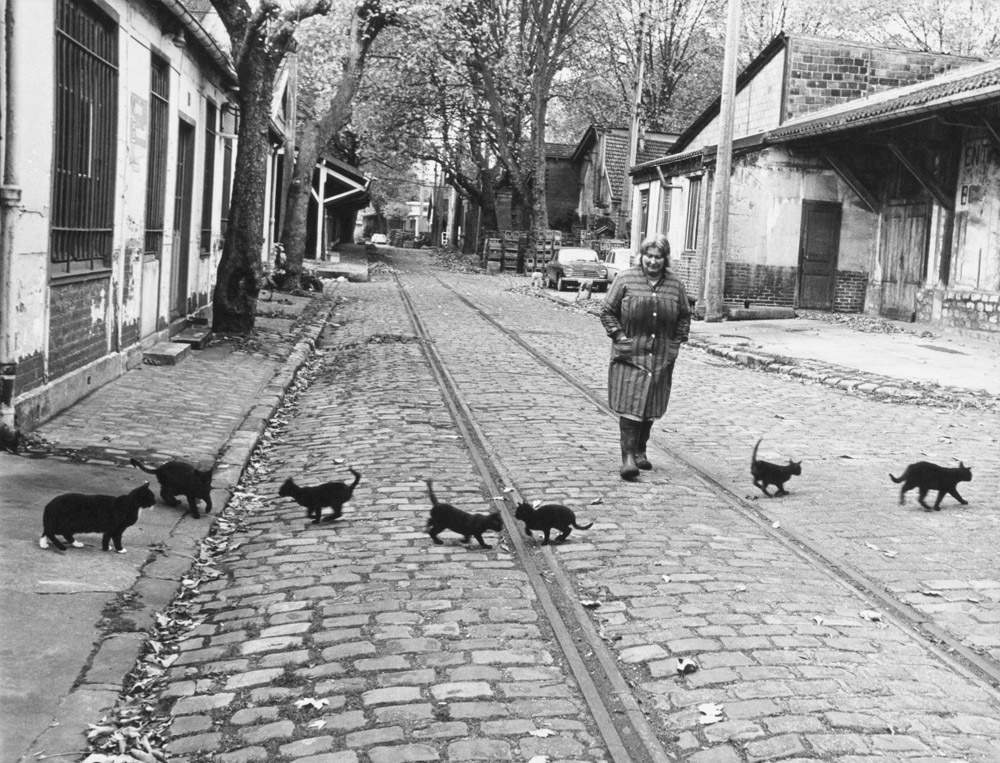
(819, 243)
(903, 254)
(182, 219)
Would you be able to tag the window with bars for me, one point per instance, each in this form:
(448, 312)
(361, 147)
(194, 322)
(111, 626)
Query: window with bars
(693, 213)
(84, 140)
(208, 189)
(156, 175)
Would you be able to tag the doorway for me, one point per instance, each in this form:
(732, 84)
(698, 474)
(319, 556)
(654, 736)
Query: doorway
(182, 220)
(819, 243)
(903, 255)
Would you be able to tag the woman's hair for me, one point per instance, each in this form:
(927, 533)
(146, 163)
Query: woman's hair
(658, 242)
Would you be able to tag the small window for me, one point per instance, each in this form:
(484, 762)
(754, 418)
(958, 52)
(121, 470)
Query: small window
(693, 213)
(156, 160)
(208, 185)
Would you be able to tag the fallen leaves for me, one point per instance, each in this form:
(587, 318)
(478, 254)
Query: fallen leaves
(710, 713)
(316, 704)
(685, 666)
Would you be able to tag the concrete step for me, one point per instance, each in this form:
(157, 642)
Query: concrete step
(166, 354)
(195, 336)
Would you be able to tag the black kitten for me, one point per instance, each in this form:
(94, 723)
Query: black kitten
(444, 516)
(72, 513)
(328, 495)
(925, 476)
(547, 517)
(181, 478)
(765, 473)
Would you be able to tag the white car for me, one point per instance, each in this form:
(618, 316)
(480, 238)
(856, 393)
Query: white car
(575, 265)
(380, 239)
(617, 260)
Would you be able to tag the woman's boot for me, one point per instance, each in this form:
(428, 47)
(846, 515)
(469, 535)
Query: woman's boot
(630, 431)
(641, 461)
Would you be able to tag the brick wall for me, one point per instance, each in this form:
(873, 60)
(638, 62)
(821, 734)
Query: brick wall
(75, 338)
(975, 310)
(29, 373)
(823, 73)
(687, 266)
(761, 284)
(849, 291)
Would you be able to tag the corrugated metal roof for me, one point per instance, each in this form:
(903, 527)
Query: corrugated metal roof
(966, 84)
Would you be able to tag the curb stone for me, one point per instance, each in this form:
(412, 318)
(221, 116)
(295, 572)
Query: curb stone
(92, 694)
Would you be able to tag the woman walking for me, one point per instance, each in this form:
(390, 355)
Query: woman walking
(647, 315)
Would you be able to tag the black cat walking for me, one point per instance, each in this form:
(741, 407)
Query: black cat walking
(444, 516)
(329, 495)
(926, 476)
(647, 315)
(181, 478)
(765, 473)
(548, 517)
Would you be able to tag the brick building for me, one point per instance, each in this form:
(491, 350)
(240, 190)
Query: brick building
(119, 141)
(829, 210)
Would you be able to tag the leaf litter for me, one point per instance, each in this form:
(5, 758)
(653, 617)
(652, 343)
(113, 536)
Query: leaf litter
(135, 731)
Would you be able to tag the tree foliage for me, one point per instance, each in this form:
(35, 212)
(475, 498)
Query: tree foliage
(333, 50)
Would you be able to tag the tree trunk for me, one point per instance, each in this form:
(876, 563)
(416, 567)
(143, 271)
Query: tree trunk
(294, 234)
(234, 302)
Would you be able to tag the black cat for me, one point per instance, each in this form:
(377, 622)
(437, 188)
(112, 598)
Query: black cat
(444, 516)
(328, 495)
(72, 513)
(765, 473)
(181, 478)
(925, 476)
(547, 517)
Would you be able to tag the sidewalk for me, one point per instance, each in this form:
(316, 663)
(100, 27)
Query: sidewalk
(73, 623)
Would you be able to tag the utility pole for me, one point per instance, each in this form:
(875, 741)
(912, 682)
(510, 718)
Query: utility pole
(715, 267)
(633, 132)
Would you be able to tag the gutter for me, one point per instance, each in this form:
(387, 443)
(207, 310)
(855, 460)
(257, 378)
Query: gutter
(219, 56)
(10, 205)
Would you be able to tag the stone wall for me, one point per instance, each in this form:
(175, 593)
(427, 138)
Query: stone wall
(950, 308)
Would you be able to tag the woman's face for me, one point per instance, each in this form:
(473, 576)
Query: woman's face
(653, 261)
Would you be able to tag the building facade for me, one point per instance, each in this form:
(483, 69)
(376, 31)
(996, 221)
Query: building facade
(119, 141)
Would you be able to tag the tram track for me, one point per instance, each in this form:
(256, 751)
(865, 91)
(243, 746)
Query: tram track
(936, 639)
(615, 707)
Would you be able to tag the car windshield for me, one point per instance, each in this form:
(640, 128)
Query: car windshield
(577, 255)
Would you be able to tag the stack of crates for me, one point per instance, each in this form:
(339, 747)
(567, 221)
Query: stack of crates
(493, 254)
(544, 250)
(512, 251)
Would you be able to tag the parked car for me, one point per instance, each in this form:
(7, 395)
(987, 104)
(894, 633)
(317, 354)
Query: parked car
(616, 260)
(380, 239)
(571, 265)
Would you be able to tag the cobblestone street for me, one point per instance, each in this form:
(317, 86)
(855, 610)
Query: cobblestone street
(360, 640)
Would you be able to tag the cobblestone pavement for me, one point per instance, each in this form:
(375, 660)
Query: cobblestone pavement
(844, 503)
(416, 652)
